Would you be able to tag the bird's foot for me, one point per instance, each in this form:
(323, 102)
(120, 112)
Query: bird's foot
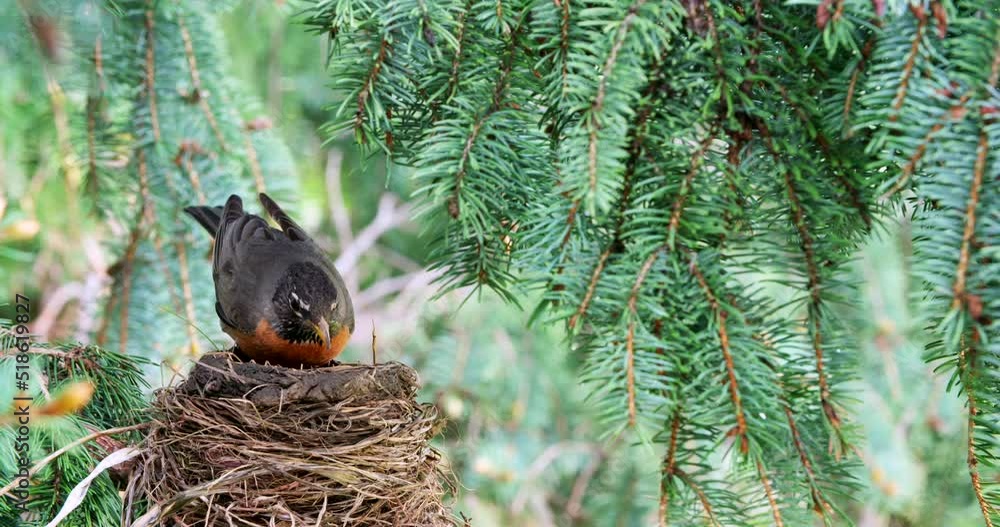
(333, 362)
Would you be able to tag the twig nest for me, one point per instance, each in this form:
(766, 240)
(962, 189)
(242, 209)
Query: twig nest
(249, 444)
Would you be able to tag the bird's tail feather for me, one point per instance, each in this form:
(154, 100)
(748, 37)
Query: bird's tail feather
(208, 217)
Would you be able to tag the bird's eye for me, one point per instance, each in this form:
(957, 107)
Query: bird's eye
(333, 306)
(297, 303)
(299, 307)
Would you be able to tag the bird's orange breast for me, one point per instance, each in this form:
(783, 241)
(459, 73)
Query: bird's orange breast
(264, 345)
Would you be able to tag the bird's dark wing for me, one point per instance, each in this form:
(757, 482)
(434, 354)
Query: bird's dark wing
(223, 316)
(231, 213)
(233, 268)
(288, 226)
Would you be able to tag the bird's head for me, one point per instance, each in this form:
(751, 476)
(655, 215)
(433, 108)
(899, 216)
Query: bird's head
(308, 306)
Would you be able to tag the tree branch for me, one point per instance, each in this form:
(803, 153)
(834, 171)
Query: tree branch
(151, 70)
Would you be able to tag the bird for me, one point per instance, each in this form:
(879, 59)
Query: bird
(277, 293)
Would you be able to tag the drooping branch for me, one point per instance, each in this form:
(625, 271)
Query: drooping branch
(453, 206)
(771, 501)
(185, 159)
(597, 106)
(814, 294)
(669, 467)
(633, 299)
(911, 60)
(499, 93)
(369, 86)
(836, 169)
(595, 277)
(456, 61)
(819, 503)
(144, 217)
(182, 261)
(564, 42)
(721, 316)
(199, 94)
(814, 285)
(570, 221)
(635, 151)
(702, 497)
(866, 53)
(151, 71)
(955, 112)
(697, 158)
(966, 365)
(958, 289)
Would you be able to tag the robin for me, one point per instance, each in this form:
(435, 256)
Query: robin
(277, 293)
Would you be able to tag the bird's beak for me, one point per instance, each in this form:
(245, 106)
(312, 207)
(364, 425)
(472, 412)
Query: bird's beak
(322, 329)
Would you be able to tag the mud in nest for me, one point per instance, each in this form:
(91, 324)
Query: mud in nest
(245, 444)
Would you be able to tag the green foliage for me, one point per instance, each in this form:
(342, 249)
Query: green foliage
(148, 121)
(185, 134)
(118, 400)
(683, 184)
(646, 165)
(131, 104)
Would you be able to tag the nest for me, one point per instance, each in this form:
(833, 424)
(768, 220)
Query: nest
(244, 444)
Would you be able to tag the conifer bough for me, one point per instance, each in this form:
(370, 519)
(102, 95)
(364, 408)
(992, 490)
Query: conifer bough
(660, 169)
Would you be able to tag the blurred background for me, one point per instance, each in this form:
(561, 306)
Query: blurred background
(522, 439)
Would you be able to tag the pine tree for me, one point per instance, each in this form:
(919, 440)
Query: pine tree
(147, 121)
(164, 127)
(59, 418)
(685, 183)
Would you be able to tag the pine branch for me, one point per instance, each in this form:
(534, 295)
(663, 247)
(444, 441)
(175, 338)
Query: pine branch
(772, 503)
(813, 284)
(185, 159)
(702, 497)
(632, 138)
(198, 93)
(669, 468)
(597, 106)
(499, 91)
(966, 361)
(151, 71)
(958, 290)
(819, 504)
(955, 112)
(721, 315)
(853, 193)
(457, 60)
(866, 53)
(592, 285)
(83, 440)
(697, 158)
(188, 297)
(368, 86)
(911, 60)
(636, 149)
(633, 297)
(124, 275)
